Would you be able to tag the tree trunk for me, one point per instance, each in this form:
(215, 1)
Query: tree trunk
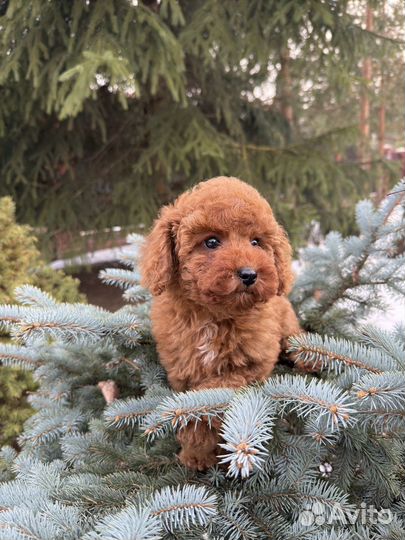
(284, 91)
(382, 188)
(365, 100)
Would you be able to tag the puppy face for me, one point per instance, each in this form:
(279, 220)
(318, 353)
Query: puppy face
(219, 246)
(225, 255)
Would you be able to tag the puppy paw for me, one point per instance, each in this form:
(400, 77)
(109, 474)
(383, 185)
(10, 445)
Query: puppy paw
(197, 462)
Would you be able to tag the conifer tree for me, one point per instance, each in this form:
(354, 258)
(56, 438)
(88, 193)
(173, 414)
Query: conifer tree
(311, 457)
(110, 108)
(21, 261)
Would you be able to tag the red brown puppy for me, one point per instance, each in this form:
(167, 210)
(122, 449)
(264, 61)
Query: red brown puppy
(219, 267)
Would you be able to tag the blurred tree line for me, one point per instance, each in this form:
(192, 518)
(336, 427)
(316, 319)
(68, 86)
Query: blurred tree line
(109, 109)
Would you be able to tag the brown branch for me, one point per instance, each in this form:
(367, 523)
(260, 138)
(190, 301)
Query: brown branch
(110, 390)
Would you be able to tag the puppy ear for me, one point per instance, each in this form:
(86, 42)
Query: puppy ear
(158, 261)
(282, 252)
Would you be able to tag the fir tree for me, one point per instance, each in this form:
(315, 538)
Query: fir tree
(120, 105)
(301, 454)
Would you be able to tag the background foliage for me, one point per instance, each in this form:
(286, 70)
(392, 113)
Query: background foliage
(20, 263)
(109, 109)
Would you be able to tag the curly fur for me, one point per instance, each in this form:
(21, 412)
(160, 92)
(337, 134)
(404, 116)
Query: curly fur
(210, 329)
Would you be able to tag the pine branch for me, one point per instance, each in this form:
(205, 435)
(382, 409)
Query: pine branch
(355, 266)
(386, 423)
(246, 429)
(33, 296)
(179, 508)
(129, 413)
(170, 508)
(12, 355)
(130, 253)
(9, 316)
(137, 295)
(49, 425)
(336, 355)
(125, 326)
(383, 391)
(386, 342)
(125, 279)
(233, 518)
(281, 497)
(305, 397)
(178, 410)
(132, 522)
(21, 523)
(65, 323)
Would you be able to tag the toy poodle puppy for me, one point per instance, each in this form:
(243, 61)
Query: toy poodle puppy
(219, 268)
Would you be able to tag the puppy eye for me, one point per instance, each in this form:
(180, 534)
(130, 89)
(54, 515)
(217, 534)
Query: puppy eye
(255, 242)
(212, 243)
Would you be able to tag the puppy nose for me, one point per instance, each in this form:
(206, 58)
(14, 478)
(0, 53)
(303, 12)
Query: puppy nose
(247, 275)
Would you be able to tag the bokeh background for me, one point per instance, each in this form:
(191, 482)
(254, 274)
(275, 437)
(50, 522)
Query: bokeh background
(110, 108)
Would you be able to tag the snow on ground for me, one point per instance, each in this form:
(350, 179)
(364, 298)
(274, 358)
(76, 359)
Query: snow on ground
(95, 257)
(392, 316)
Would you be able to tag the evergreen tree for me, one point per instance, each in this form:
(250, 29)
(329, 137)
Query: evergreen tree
(20, 262)
(301, 454)
(15, 384)
(111, 108)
